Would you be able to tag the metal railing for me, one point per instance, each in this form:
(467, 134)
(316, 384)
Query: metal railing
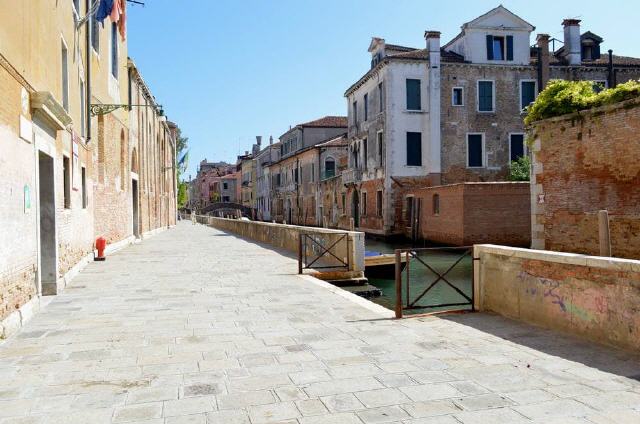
(458, 263)
(314, 252)
(351, 175)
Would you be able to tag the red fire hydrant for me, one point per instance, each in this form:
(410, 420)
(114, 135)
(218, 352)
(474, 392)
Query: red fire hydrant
(101, 243)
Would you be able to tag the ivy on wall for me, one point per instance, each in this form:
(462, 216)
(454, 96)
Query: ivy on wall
(561, 97)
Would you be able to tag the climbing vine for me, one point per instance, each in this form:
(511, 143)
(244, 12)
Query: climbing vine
(561, 97)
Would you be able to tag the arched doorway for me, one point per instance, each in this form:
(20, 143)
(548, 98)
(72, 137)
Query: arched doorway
(134, 193)
(289, 211)
(355, 208)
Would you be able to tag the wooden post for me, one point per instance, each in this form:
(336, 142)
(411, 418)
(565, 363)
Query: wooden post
(351, 224)
(603, 231)
(300, 247)
(398, 283)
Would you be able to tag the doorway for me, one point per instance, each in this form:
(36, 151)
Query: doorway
(47, 261)
(289, 212)
(355, 208)
(134, 207)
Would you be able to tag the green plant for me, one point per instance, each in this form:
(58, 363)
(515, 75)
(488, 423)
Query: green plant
(182, 194)
(519, 169)
(561, 97)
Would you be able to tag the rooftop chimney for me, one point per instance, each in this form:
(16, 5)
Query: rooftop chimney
(270, 139)
(258, 140)
(246, 153)
(572, 41)
(543, 60)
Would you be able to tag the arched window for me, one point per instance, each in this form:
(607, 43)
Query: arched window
(436, 204)
(134, 160)
(123, 161)
(329, 168)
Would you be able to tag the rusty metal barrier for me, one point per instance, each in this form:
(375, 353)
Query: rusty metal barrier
(321, 254)
(441, 277)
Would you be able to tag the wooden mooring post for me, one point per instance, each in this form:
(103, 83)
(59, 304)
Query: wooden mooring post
(398, 283)
(603, 232)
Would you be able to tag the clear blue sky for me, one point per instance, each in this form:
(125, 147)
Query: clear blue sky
(228, 70)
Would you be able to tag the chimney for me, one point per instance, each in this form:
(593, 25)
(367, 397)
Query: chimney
(270, 139)
(543, 60)
(433, 168)
(258, 140)
(572, 41)
(246, 153)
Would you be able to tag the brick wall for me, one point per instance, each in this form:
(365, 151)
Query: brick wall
(584, 163)
(471, 213)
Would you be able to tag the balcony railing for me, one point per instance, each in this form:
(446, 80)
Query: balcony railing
(351, 175)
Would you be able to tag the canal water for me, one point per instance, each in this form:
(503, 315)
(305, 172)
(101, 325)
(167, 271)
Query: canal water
(420, 277)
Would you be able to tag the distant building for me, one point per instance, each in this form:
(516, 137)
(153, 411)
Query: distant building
(264, 159)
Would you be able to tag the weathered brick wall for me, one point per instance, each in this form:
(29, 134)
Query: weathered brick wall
(472, 213)
(584, 163)
(596, 298)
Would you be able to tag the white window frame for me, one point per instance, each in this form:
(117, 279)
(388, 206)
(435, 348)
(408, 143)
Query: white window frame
(525, 151)
(484, 151)
(493, 96)
(453, 89)
(380, 155)
(535, 90)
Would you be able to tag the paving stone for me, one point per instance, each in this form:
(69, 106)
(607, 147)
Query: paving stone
(311, 407)
(433, 391)
(140, 412)
(395, 380)
(232, 416)
(242, 400)
(386, 414)
(152, 394)
(273, 412)
(487, 401)
(493, 416)
(381, 397)
(188, 406)
(187, 419)
(554, 408)
(339, 418)
(342, 386)
(443, 419)
(431, 408)
(342, 402)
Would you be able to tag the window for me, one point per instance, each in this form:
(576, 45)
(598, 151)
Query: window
(355, 113)
(114, 50)
(278, 180)
(456, 96)
(414, 149)
(413, 94)
(83, 110)
(436, 204)
(485, 96)
(379, 203)
(225, 199)
(475, 150)
(66, 177)
(516, 146)
(95, 35)
(366, 107)
(313, 171)
(499, 48)
(83, 176)
(225, 186)
(380, 98)
(380, 146)
(65, 76)
(365, 152)
(527, 93)
(364, 203)
(329, 168)
(344, 201)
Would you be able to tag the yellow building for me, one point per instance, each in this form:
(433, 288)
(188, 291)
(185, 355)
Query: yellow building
(65, 175)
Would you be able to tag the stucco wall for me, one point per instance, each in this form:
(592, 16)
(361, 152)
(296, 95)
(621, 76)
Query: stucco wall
(592, 297)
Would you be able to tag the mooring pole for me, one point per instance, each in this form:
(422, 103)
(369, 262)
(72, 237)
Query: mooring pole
(398, 283)
(603, 231)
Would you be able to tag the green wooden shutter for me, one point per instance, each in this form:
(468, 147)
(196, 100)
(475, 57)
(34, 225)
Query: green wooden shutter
(414, 149)
(489, 47)
(509, 47)
(413, 94)
(485, 96)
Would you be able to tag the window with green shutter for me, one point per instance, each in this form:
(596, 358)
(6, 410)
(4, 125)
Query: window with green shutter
(527, 93)
(413, 94)
(414, 149)
(485, 96)
(475, 151)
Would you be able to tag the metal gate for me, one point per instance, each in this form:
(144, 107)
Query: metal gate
(314, 252)
(414, 295)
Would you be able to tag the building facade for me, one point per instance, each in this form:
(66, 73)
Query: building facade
(453, 113)
(64, 162)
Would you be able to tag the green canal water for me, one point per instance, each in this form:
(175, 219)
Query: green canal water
(421, 277)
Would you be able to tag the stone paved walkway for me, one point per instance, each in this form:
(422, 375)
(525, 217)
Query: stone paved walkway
(197, 326)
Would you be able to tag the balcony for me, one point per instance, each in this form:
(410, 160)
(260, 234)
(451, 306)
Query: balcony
(351, 175)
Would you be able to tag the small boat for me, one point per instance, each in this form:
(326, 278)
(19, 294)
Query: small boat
(381, 265)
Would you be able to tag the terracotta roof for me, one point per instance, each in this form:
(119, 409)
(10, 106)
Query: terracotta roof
(602, 61)
(338, 141)
(327, 121)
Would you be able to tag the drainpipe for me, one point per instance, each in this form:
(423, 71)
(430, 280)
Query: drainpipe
(89, 30)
